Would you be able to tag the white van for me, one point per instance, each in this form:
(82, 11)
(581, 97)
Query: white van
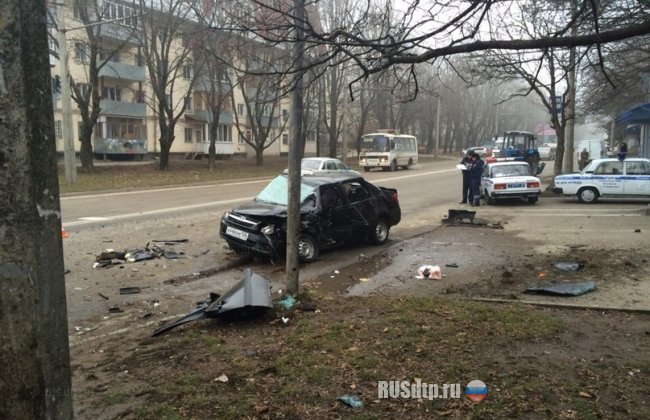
(596, 148)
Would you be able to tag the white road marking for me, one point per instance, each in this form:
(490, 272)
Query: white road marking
(81, 222)
(93, 219)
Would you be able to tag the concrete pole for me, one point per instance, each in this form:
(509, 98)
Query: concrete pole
(70, 163)
(571, 115)
(437, 145)
(34, 352)
(295, 152)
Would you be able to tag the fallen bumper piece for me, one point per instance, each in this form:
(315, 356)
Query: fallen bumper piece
(250, 298)
(563, 289)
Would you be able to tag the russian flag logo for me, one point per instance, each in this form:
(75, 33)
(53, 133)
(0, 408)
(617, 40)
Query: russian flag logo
(476, 390)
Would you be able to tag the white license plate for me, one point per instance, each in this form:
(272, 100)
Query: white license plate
(518, 185)
(236, 233)
(373, 161)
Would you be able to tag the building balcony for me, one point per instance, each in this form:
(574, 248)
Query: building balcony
(123, 109)
(119, 32)
(123, 71)
(112, 146)
(225, 118)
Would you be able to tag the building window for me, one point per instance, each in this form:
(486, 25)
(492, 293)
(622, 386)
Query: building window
(112, 93)
(241, 111)
(188, 135)
(81, 52)
(119, 11)
(199, 136)
(285, 139)
(84, 89)
(187, 104)
(285, 115)
(58, 129)
(188, 71)
(240, 139)
(78, 9)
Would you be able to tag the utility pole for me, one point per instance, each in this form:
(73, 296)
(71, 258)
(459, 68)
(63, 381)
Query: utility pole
(69, 159)
(295, 149)
(34, 351)
(437, 145)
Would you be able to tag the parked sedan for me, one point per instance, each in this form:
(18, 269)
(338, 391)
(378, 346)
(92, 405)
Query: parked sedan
(334, 210)
(605, 178)
(509, 179)
(321, 166)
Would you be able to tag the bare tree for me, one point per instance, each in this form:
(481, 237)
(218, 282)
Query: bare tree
(259, 76)
(170, 36)
(95, 52)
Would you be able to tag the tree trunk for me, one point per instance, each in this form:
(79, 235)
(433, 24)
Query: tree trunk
(259, 156)
(166, 140)
(34, 352)
(86, 150)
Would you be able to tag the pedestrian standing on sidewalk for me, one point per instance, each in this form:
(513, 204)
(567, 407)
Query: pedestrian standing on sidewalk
(467, 190)
(475, 175)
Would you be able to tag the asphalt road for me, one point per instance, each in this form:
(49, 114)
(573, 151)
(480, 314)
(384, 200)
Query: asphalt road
(128, 220)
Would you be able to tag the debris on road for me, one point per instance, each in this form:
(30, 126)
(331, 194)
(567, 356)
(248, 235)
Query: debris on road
(432, 272)
(568, 266)
(171, 241)
(351, 400)
(287, 302)
(110, 257)
(452, 265)
(103, 296)
(455, 216)
(114, 309)
(249, 298)
(563, 289)
(222, 378)
(129, 290)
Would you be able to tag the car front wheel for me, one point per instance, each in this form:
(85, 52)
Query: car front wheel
(379, 234)
(307, 248)
(588, 195)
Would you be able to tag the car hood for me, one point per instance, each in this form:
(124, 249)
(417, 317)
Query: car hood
(260, 209)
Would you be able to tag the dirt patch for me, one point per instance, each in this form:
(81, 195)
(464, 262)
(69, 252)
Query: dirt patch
(536, 363)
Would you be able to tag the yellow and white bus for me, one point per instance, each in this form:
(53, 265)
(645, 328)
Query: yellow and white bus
(388, 151)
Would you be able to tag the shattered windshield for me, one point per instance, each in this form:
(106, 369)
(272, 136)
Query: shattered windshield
(375, 144)
(277, 192)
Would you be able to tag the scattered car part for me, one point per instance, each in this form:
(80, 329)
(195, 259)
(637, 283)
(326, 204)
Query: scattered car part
(568, 266)
(564, 289)
(129, 290)
(249, 298)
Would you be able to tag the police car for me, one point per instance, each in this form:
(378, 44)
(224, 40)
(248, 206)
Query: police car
(509, 178)
(605, 178)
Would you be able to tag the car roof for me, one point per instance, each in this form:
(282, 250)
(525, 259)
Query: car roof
(320, 158)
(618, 160)
(330, 179)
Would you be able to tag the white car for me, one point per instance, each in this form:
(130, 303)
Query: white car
(321, 166)
(509, 179)
(547, 151)
(607, 178)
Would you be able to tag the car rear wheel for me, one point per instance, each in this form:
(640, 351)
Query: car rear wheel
(532, 200)
(379, 234)
(489, 199)
(588, 195)
(307, 248)
(367, 169)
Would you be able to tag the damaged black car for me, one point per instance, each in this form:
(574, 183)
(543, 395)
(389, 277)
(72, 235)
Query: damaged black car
(333, 211)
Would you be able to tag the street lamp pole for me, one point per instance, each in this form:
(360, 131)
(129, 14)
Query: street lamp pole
(70, 164)
(435, 150)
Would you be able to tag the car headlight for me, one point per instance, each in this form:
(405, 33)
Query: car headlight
(225, 216)
(268, 230)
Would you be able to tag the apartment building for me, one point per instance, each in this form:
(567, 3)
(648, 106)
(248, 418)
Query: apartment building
(128, 121)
